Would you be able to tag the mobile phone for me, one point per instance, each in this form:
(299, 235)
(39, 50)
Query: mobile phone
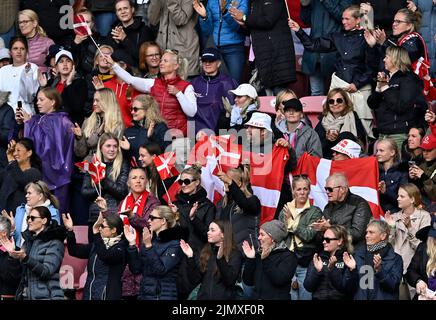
(19, 105)
(412, 163)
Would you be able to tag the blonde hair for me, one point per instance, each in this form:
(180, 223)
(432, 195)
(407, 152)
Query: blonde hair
(116, 166)
(113, 121)
(166, 213)
(431, 252)
(411, 17)
(393, 146)
(34, 17)
(400, 58)
(151, 108)
(97, 52)
(242, 174)
(280, 97)
(42, 188)
(182, 70)
(347, 101)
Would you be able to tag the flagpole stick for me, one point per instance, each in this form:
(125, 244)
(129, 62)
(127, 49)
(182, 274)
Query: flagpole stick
(287, 9)
(98, 178)
(166, 191)
(96, 45)
(95, 186)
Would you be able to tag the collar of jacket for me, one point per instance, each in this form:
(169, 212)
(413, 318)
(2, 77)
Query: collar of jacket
(199, 196)
(174, 233)
(53, 232)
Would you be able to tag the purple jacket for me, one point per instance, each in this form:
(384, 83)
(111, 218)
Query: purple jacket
(209, 91)
(54, 141)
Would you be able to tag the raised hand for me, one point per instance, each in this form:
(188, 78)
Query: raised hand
(349, 261)
(173, 207)
(389, 218)
(248, 250)
(96, 226)
(220, 252)
(199, 8)
(8, 244)
(124, 143)
(10, 217)
(11, 150)
(332, 262)
(293, 25)
(377, 260)
(97, 83)
(193, 210)
(101, 203)
(79, 38)
(77, 131)
(186, 249)
(146, 237)
(380, 36)
(382, 187)
(130, 234)
(68, 222)
(317, 262)
(42, 79)
(430, 116)
(71, 76)
(151, 129)
(370, 38)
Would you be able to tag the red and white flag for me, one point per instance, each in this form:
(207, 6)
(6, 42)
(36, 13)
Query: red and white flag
(80, 26)
(165, 165)
(362, 175)
(96, 169)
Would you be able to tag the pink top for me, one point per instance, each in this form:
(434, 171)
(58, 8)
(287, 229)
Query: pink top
(38, 50)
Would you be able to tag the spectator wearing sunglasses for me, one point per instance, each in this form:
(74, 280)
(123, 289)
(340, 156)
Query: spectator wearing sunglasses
(148, 126)
(40, 257)
(196, 213)
(326, 270)
(37, 194)
(159, 256)
(338, 116)
(106, 256)
(344, 208)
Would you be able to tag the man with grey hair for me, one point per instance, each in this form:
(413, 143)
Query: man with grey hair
(10, 269)
(344, 208)
(375, 271)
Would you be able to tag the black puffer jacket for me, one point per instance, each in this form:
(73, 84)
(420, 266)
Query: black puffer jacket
(105, 266)
(136, 34)
(397, 109)
(10, 274)
(327, 284)
(245, 222)
(205, 214)
(112, 191)
(272, 42)
(272, 276)
(7, 122)
(417, 267)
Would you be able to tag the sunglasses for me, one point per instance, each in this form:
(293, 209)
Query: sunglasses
(185, 182)
(337, 101)
(135, 109)
(329, 239)
(152, 218)
(103, 226)
(32, 218)
(330, 189)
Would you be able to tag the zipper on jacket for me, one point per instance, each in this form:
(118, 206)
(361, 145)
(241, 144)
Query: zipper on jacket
(93, 277)
(219, 29)
(103, 294)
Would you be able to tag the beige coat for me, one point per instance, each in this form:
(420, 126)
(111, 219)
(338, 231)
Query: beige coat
(8, 14)
(403, 240)
(177, 20)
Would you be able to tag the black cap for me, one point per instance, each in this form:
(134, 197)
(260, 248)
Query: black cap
(52, 51)
(292, 104)
(210, 54)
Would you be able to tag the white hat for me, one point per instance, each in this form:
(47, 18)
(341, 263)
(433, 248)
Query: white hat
(260, 120)
(245, 89)
(63, 53)
(4, 54)
(348, 147)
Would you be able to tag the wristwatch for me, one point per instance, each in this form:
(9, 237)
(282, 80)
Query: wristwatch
(244, 18)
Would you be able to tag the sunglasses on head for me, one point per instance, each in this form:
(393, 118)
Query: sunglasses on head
(185, 181)
(329, 239)
(135, 109)
(32, 218)
(152, 218)
(330, 189)
(337, 101)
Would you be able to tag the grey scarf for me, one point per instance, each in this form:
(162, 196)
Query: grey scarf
(377, 246)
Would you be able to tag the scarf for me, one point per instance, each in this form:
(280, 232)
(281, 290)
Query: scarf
(293, 222)
(341, 124)
(109, 242)
(240, 113)
(377, 246)
(136, 207)
(291, 137)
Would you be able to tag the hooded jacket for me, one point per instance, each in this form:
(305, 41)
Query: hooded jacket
(44, 254)
(159, 264)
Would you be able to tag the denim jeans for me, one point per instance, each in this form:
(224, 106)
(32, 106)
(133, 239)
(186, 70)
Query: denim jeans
(317, 85)
(104, 21)
(234, 58)
(8, 35)
(301, 293)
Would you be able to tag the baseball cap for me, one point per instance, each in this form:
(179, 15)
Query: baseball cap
(428, 142)
(210, 54)
(292, 104)
(260, 120)
(348, 147)
(245, 89)
(4, 54)
(63, 53)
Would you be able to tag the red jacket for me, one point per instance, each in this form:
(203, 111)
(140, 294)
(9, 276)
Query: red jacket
(169, 105)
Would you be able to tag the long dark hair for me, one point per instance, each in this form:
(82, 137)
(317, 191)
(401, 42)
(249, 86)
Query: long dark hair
(153, 176)
(228, 245)
(35, 160)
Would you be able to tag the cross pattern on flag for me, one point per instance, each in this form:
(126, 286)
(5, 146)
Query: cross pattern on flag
(80, 26)
(165, 165)
(362, 175)
(96, 169)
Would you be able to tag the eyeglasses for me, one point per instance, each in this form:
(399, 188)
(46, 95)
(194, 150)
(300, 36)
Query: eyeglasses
(103, 226)
(329, 239)
(135, 109)
(330, 189)
(185, 181)
(337, 101)
(32, 218)
(24, 22)
(173, 51)
(152, 218)
(152, 55)
(399, 21)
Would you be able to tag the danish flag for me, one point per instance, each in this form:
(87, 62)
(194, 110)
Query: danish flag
(165, 165)
(80, 26)
(96, 169)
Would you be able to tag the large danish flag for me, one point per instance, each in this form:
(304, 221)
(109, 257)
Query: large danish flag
(165, 165)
